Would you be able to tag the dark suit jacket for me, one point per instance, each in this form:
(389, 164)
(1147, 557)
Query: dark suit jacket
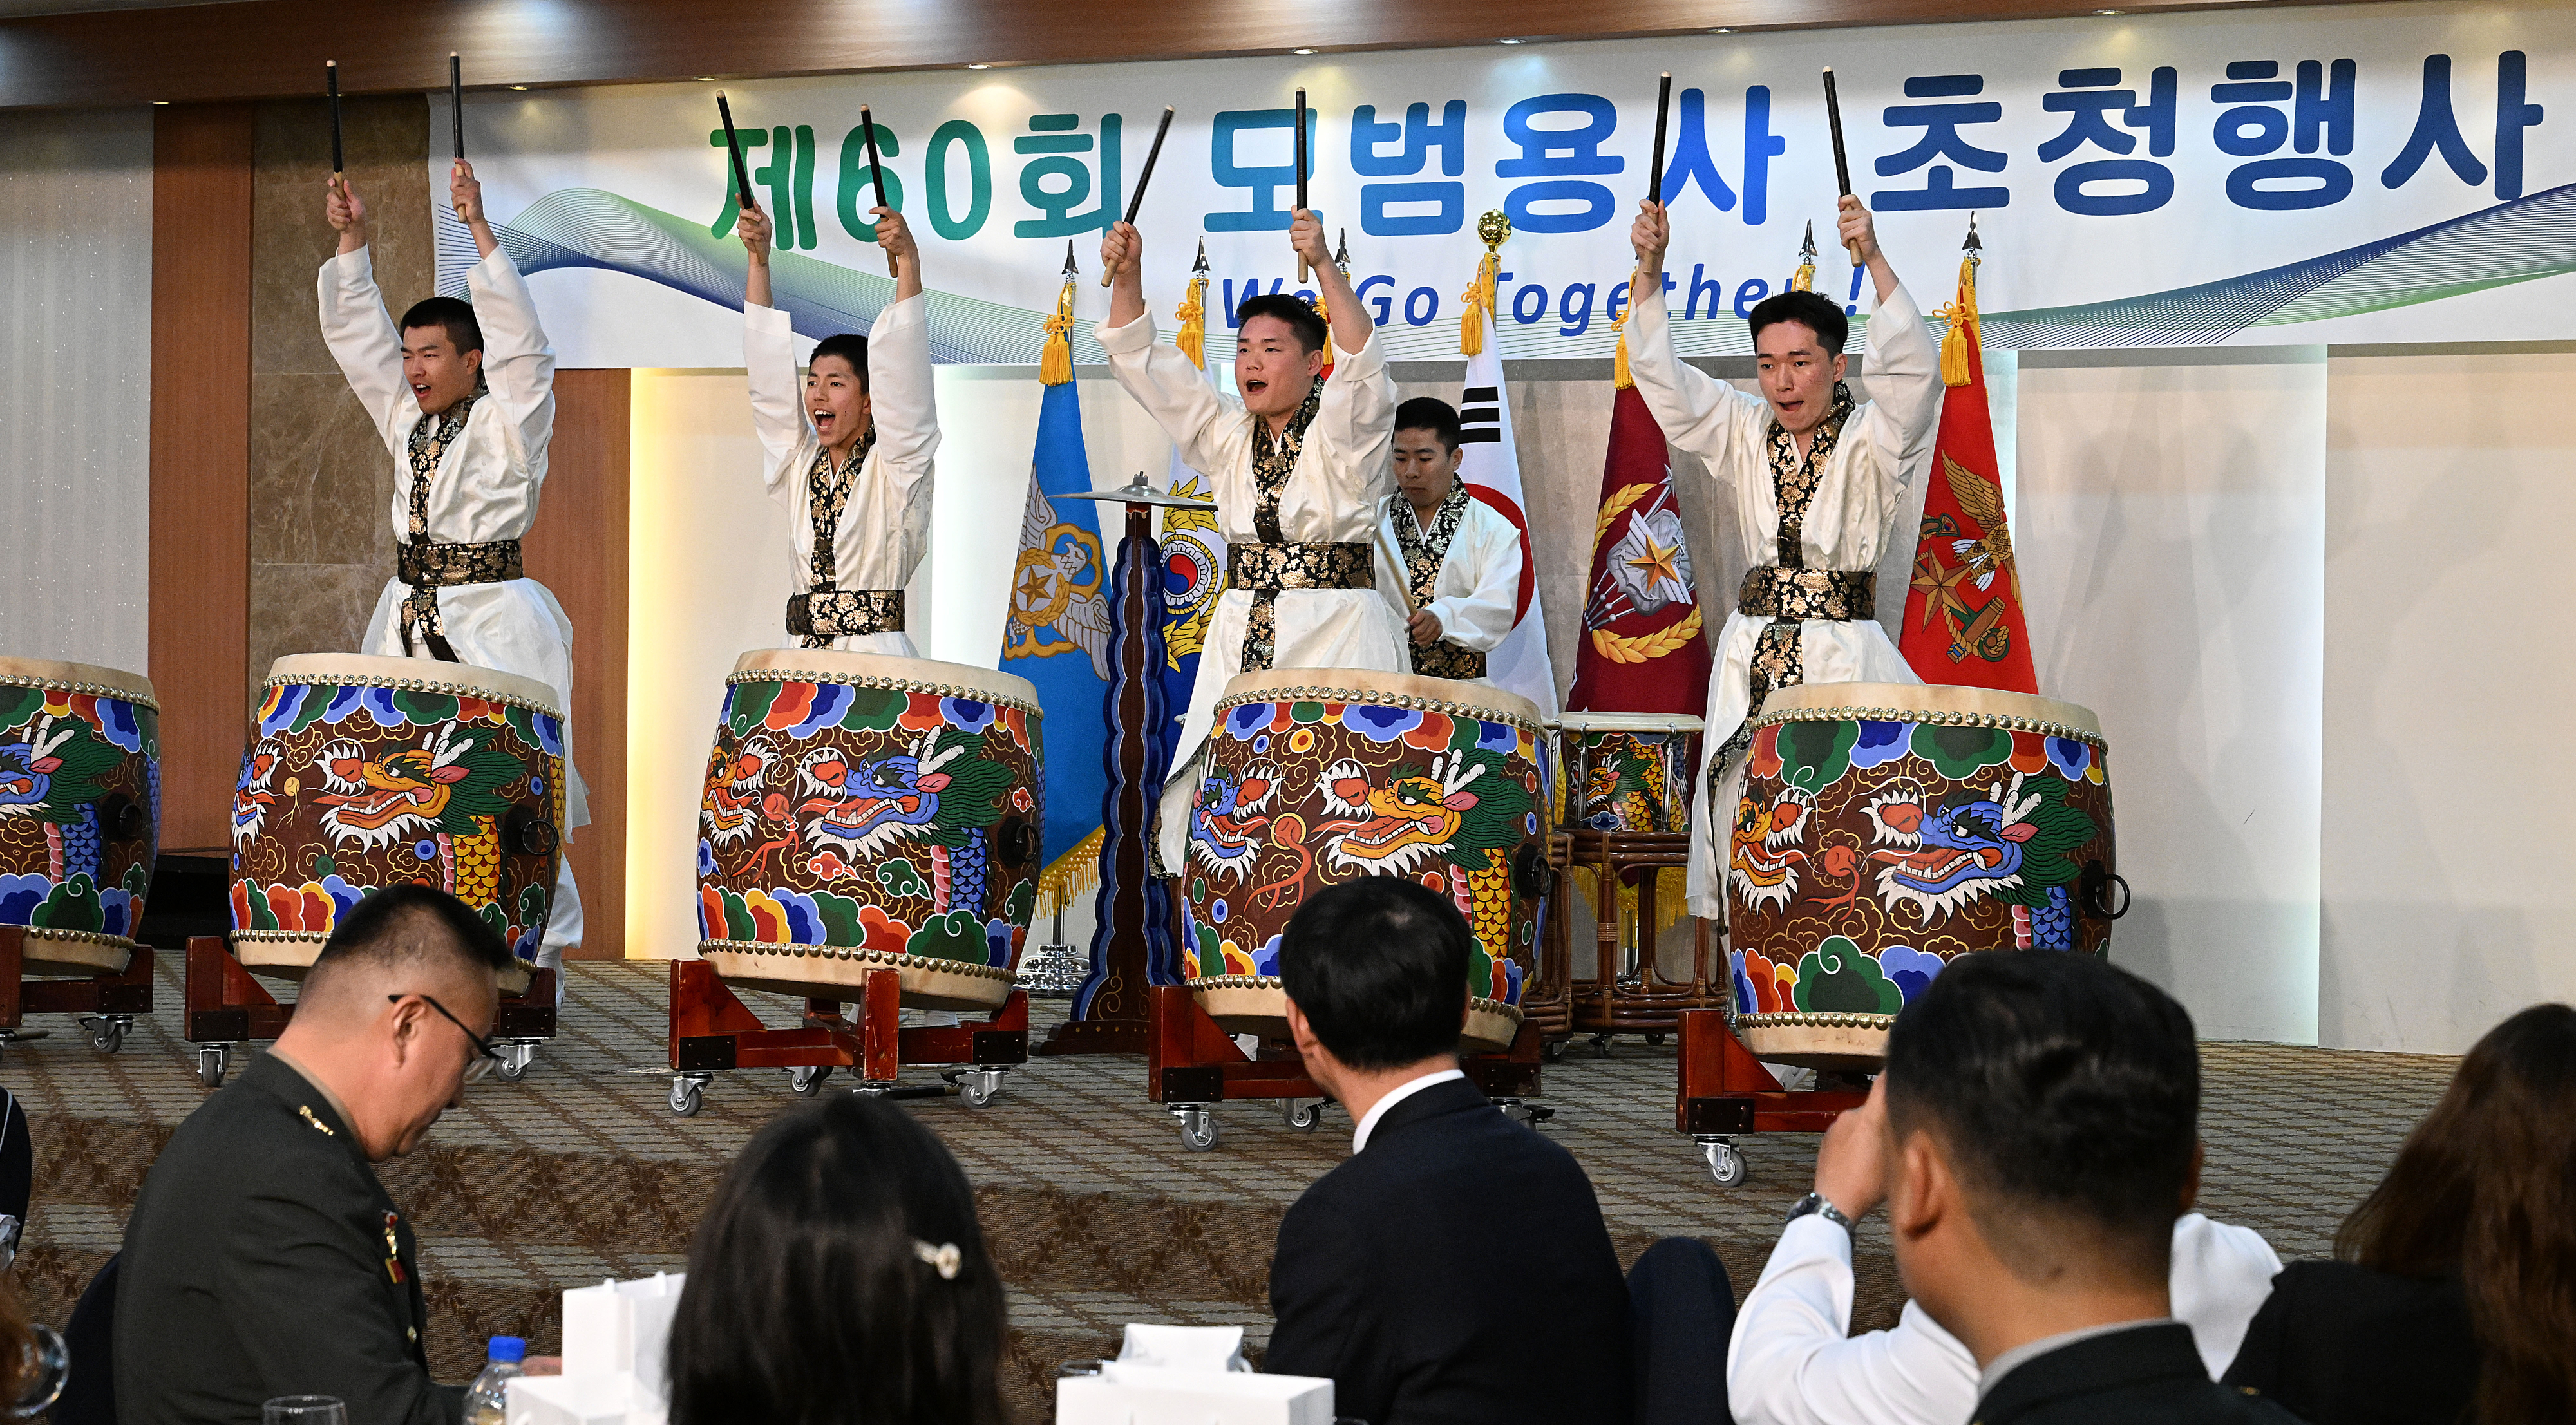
(2144, 1374)
(2344, 1345)
(1456, 1271)
(264, 1259)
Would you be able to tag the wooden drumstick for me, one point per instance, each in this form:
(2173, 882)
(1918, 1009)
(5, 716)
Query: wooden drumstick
(456, 102)
(1663, 110)
(733, 145)
(331, 78)
(1136, 200)
(1304, 272)
(876, 174)
(1842, 165)
(1403, 571)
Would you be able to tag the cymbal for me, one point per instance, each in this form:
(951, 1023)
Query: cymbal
(1137, 492)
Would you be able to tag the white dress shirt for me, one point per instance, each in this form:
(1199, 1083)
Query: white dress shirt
(1394, 1096)
(1791, 1361)
(884, 528)
(1885, 442)
(1334, 493)
(1477, 593)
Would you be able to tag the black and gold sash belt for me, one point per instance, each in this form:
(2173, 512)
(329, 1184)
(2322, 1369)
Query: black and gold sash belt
(1770, 591)
(1269, 568)
(839, 613)
(1447, 660)
(425, 566)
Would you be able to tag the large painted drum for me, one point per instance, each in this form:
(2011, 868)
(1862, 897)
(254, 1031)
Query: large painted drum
(374, 772)
(80, 811)
(1627, 771)
(865, 812)
(1317, 776)
(1885, 829)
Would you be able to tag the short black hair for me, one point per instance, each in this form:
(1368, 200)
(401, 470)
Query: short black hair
(1818, 314)
(2067, 1093)
(850, 347)
(1301, 319)
(807, 1300)
(1379, 967)
(1432, 414)
(381, 929)
(455, 317)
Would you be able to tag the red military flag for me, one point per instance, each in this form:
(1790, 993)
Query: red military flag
(1963, 615)
(1643, 649)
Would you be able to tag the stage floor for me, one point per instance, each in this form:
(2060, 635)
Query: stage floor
(1097, 1213)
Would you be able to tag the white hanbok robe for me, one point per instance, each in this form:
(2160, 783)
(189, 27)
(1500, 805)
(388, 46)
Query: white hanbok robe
(1334, 493)
(1476, 595)
(484, 490)
(1885, 443)
(884, 528)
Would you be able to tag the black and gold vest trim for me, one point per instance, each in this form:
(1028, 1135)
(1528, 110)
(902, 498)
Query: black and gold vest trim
(820, 615)
(1273, 461)
(1769, 591)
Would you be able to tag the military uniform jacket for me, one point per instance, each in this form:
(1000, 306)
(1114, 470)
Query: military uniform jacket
(263, 1259)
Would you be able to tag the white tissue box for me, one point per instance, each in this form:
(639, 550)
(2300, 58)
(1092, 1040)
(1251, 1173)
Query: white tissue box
(621, 1328)
(581, 1400)
(1126, 1394)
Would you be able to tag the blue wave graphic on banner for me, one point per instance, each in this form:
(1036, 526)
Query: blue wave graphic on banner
(2517, 241)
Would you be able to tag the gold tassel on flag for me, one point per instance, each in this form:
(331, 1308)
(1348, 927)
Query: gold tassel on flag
(1495, 229)
(1070, 876)
(1620, 379)
(1961, 314)
(1055, 359)
(1804, 279)
(1193, 319)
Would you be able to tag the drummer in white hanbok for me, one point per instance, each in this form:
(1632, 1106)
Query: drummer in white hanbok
(848, 453)
(1300, 470)
(464, 397)
(1462, 558)
(1817, 481)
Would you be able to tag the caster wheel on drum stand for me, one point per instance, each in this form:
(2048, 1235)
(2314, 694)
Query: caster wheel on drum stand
(1600, 1046)
(980, 1087)
(1198, 1128)
(688, 1094)
(1725, 1162)
(806, 1080)
(107, 1032)
(1302, 1114)
(1553, 1051)
(1656, 1040)
(213, 1061)
(516, 1056)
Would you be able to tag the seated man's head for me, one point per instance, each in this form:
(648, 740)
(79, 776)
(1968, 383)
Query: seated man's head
(1376, 975)
(1278, 353)
(442, 352)
(1427, 450)
(836, 390)
(1798, 347)
(393, 1014)
(2043, 1117)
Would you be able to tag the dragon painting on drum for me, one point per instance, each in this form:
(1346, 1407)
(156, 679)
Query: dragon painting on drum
(80, 792)
(1866, 851)
(888, 820)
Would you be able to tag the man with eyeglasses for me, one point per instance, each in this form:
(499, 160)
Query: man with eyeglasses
(264, 1257)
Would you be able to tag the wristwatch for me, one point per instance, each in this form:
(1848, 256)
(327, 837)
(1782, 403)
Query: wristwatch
(1814, 1204)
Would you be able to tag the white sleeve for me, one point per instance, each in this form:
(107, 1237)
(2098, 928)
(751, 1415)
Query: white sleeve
(517, 363)
(777, 401)
(1791, 1363)
(362, 339)
(1172, 389)
(1904, 382)
(1480, 618)
(1697, 412)
(900, 399)
(1356, 417)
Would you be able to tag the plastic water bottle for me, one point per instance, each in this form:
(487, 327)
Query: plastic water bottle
(487, 1401)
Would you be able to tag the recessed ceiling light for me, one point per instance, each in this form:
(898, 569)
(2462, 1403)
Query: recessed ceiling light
(1301, 51)
(1723, 30)
(979, 66)
(161, 102)
(1515, 42)
(706, 79)
(518, 86)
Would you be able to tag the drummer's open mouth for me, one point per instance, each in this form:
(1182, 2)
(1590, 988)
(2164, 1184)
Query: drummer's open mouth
(823, 421)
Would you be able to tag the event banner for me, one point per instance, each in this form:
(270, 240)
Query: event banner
(2334, 174)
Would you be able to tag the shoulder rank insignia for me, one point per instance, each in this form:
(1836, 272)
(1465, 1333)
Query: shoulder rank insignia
(305, 1112)
(393, 1250)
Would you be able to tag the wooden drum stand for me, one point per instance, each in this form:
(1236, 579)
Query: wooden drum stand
(1724, 1092)
(106, 1004)
(227, 1006)
(712, 1030)
(1606, 1004)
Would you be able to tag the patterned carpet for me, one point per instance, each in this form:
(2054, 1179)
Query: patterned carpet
(1095, 1210)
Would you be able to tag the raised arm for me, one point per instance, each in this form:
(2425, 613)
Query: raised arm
(517, 363)
(899, 387)
(1697, 411)
(769, 358)
(355, 325)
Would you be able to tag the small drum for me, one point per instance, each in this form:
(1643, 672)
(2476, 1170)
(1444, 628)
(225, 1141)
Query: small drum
(1627, 771)
(865, 811)
(373, 772)
(80, 811)
(1319, 775)
(1884, 829)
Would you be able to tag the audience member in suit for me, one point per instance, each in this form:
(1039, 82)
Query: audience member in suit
(1792, 1362)
(2453, 1294)
(840, 1276)
(2042, 1131)
(1455, 1268)
(263, 1257)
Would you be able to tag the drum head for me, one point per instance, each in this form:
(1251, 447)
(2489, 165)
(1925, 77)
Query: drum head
(79, 678)
(1363, 685)
(1915, 702)
(929, 675)
(422, 674)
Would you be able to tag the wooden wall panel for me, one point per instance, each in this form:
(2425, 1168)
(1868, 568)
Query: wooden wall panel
(577, 548)
(200, 590)
(275, 48)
